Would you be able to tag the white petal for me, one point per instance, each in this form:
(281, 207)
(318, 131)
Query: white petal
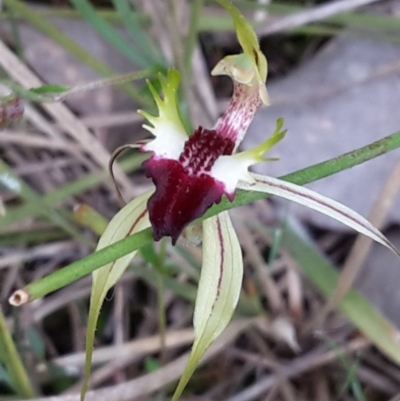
(218, 291)
(317, 202)
(231, 169)
(167, 127)
(168, 142)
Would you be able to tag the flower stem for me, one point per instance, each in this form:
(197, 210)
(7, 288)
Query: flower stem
(82, 267)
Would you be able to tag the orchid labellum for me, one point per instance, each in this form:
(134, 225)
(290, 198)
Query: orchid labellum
(193, 172)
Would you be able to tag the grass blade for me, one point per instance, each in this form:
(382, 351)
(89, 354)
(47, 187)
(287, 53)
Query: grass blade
(131, 22)
(10, 358)
(108, 32)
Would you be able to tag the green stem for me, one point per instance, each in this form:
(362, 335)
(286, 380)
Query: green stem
(162, 319)
(83, 267)
(87, 265)
(162, 323)
(10, 357)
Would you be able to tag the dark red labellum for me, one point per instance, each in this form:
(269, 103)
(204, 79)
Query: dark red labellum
(184, 190)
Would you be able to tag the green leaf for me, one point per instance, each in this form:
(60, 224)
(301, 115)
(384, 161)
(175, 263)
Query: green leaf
(45, 89)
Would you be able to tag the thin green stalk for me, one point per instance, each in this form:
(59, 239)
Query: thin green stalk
(87, 265)
(9, 356)
(162, 320)
(190, 44)
(39, 22)
(31, 237)
(162, 323)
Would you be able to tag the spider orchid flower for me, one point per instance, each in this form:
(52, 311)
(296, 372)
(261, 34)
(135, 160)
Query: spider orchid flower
(193, 172)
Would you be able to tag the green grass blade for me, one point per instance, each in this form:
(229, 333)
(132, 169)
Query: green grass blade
(10, 358)
(109, 33)
(132, 23)
(32, 237)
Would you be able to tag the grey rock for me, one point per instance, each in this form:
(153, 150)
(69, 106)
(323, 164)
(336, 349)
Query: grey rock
(332, 106)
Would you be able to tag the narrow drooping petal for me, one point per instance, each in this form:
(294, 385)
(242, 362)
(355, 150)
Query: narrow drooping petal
(318, 202)
(129, 220)
(184, 187)
(218, 291)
